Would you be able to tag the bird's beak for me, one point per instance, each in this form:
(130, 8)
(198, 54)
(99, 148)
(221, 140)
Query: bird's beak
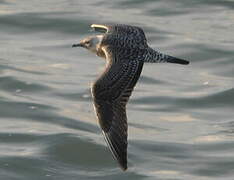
(78, 45)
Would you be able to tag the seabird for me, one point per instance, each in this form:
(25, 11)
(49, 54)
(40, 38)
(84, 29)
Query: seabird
(125, 50)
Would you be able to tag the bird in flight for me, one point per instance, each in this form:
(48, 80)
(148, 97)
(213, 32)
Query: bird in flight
(125, 50)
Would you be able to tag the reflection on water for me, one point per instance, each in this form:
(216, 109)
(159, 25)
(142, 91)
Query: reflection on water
(180, 118)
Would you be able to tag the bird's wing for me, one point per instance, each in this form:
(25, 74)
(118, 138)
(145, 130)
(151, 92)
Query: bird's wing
(120, 35)
(120, 29)
(111, 92)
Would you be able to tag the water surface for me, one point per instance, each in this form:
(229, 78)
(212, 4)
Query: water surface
(180, 118)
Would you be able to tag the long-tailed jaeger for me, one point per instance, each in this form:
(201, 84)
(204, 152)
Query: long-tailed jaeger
(125, 49)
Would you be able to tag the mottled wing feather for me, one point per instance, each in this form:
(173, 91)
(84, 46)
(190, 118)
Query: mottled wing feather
(111, 93)
(120, 29)
(116, 136)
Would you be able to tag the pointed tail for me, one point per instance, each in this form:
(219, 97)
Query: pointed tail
(153, 56)
(171, 59)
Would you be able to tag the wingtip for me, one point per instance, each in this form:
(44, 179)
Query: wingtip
(123, 163)
(124, 167)
(99, 27)
(120, 158)
(92, 25)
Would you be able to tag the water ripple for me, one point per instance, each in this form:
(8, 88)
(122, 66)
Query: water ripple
(180, 117)
(31, 22)
(220, 99)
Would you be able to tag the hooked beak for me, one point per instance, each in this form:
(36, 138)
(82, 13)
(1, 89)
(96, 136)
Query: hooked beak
(78, 45)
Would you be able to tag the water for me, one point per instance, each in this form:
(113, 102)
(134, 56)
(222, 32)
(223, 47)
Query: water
(180, 118)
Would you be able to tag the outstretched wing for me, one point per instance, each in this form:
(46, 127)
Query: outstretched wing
(121, 30)
(117, 28)
(121, 35)
(111, 92)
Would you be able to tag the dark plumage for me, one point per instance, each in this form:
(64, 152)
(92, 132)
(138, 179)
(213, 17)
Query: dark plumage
(125, 49)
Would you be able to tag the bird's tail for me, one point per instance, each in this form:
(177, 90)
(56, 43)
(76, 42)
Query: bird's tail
(153, 56)
(171, 59)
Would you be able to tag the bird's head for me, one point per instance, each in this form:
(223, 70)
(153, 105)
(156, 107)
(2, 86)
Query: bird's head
(91, 43)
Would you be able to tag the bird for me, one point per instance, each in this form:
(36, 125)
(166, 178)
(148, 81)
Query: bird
(125, 50)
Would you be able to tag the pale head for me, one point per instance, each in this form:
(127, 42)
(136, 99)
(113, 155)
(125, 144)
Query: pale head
(91, 43)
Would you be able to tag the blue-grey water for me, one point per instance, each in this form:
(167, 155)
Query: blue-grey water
(181, 118)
